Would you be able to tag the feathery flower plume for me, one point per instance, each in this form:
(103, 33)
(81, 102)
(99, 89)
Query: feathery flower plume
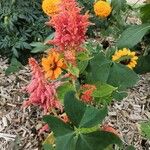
(70, 28)
(41, 92)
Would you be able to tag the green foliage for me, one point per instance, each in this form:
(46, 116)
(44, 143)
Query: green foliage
(38, 47)
(62, 90)
(21, 22)
(103, 93)
(119, 5)
(115, 74)
(145, 11)
(132, 36)
(145, 128)
(15, 66)
(84, 134)
(143, 64)
(112, 25)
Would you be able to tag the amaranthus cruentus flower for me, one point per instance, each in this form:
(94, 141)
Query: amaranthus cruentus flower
(70, 27)
(87, 92)
(102, 9)
(40, 91)
(125, 57)
(51, 7)
(53, 65)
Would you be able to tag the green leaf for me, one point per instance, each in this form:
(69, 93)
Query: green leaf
(143, 65)
(145, 13)
(62, 90)
(118, 5)
(132, 36)
(100, 67)
(64, 133)
(15, 66)
(82, 66)
(98, 140)
(38, 47)
(145, 127)
(82, 115)
(73, 70)
(83, 56)
(119, 95)
(50, 37)
(58, 127)
(86, 137)
(48, 147)
(121, 76)
(103, 90)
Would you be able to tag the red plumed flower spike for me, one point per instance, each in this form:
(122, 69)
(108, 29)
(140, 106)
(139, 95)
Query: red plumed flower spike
(40, 91)
(70, 26)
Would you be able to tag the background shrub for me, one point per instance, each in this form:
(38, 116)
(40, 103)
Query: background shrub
(21, 22)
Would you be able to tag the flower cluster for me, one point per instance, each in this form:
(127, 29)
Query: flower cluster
(87, 92)
(53, 65)
(125, 57)
(41, 92)
(102, 9)
(70, 28)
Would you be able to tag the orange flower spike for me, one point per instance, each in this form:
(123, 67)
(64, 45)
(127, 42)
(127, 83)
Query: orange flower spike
(108, 128)
(87, 94)
(53, 65)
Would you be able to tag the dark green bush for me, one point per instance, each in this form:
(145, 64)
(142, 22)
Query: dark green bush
(21, 22)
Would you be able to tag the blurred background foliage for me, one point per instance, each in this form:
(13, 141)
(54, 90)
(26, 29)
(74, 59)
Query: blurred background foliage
(21, 22)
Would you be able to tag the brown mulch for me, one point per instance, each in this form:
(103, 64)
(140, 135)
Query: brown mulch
(19, 127)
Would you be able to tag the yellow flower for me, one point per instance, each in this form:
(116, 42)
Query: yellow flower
(125, 57)
(53, 65)
(102, 9)
(50, 7)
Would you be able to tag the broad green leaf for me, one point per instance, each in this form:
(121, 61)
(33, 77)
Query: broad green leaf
(39, 47)
(14, 66)
(98, 140)
(85, 135)
(143, 65)
(132, 36)
(63, 132)
(62, 90)
(48, 147)
(145, 13)
(119, 95)
(58, 127)
(82, 115)
(103, 90)
(121, 76)
(145, 128)
(100, 67)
